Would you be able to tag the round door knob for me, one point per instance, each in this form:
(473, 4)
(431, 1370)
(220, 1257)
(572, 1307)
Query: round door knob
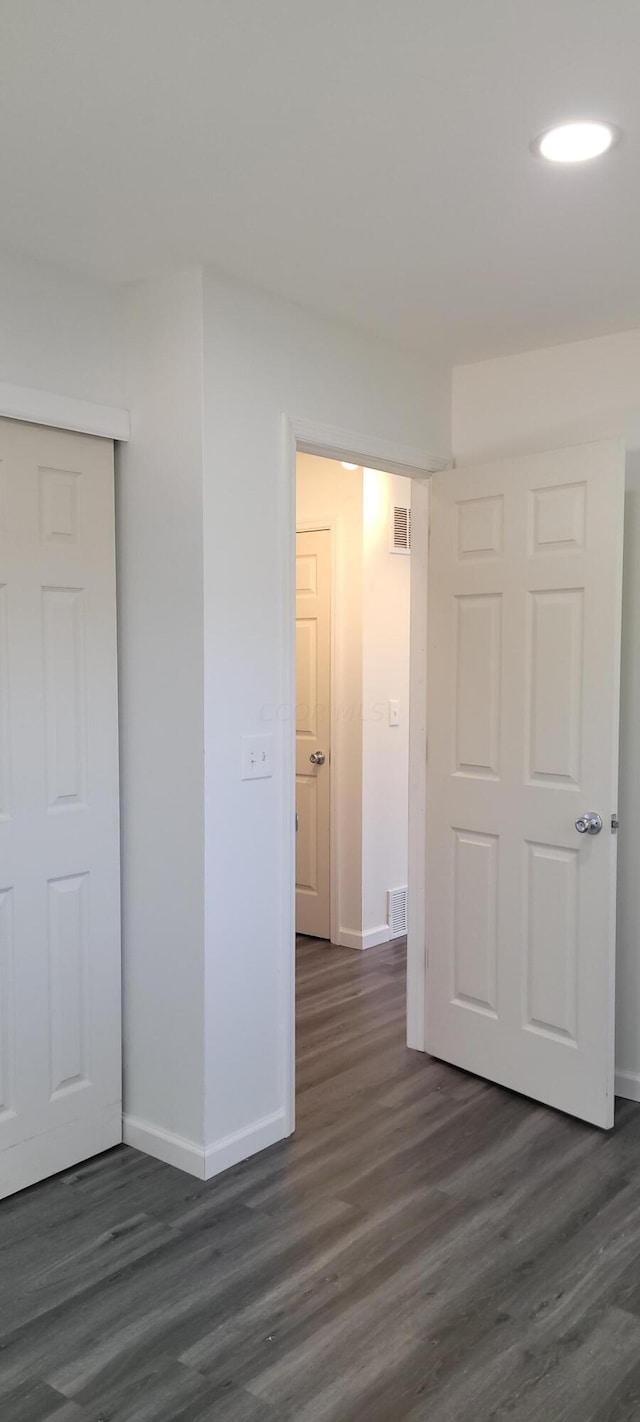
(317, 757)
(591, 823)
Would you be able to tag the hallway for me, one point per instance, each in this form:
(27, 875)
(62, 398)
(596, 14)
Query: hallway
(428, 1248)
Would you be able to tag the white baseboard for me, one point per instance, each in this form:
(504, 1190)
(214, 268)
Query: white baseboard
(354, 938)
(164, 1145)
(628, 1085)
(228, 1151)
(196, 1159)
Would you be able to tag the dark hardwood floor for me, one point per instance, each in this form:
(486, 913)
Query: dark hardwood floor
(428, 1248)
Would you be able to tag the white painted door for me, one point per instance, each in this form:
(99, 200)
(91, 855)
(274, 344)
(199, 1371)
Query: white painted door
(313, 733)
(524, 637)
(59, 858)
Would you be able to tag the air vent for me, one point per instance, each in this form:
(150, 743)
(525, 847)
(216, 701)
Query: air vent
(397, 912)
(401, 530)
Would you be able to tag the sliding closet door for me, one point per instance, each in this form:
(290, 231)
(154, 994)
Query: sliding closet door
(60, 1003)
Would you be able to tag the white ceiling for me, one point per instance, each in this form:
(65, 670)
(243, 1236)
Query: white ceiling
(369, 158)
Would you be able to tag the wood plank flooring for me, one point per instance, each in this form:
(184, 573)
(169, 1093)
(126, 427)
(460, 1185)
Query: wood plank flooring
(428, 1248)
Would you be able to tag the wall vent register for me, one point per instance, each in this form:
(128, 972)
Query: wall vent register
(397, 912)
(401, 529)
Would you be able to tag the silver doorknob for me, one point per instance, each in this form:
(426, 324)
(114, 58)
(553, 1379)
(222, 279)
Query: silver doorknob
(591, 823)
(317, 757)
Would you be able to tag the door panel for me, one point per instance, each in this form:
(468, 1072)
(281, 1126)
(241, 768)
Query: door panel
(525, 578)
(313, 732)
(60, 1007)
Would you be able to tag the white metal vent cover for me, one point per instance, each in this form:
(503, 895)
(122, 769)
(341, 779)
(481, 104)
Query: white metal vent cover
(401, 529)
(397, 912)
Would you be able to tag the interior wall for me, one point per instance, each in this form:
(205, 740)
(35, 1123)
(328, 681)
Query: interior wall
(264, 357)
(210, 368)
(59, 333)
(386, 604)
(546, 399)
(328, 495)
(160, 591)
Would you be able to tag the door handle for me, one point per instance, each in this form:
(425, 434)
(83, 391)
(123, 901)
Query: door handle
(591, 823)
(317, 757)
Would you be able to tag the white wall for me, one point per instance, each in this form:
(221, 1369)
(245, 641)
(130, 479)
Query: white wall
(386, 602)
(327, 494)
(545, 399)
(202, 571)
(160, 590)
(59, 333)
(264, 356)
(628, 977)
(548, 398)
(65, 336)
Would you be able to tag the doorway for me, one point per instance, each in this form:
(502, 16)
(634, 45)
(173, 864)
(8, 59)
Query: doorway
(353, 545)
(525, 594)
(361, 451)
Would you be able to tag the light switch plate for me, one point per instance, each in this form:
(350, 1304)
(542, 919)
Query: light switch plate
(394, 713)
(257, 757)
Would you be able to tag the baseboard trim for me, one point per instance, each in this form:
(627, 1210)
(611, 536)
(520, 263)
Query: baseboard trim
(203, 1161)
(164, 1145)
(627, 1084)
(354, 938)
(229, 1150)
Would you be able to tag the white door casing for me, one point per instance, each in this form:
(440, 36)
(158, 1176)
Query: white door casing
(525, 585)
(60, 1004)
(313, 733)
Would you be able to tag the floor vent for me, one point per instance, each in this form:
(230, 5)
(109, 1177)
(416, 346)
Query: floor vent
(401, 530)
(397, 912)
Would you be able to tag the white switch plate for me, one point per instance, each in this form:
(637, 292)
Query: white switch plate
(394, 713)
(257, 757)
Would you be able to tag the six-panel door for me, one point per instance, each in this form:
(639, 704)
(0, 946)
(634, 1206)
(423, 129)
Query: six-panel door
(313, 732)
(523, 676)
(60, 1006)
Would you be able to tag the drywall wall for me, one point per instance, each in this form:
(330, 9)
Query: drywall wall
(386, 601)
(562, 395)
(329, 496)
(628, 941)
(160, 589)
(264, 357)
(59, 333)
(211, 367)
(546, 399)
(202, 570)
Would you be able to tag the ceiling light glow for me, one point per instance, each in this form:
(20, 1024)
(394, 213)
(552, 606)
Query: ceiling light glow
(576, 142)
(348, 466)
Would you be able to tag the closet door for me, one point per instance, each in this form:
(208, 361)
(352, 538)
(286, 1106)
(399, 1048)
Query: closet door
(60, 999)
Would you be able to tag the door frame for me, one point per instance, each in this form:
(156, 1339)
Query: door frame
(370, 452)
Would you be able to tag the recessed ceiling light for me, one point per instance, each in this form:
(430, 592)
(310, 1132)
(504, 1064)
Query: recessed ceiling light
(575, 142)
(348, 466)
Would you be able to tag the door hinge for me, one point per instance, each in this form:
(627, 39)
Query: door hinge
(615, 824)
